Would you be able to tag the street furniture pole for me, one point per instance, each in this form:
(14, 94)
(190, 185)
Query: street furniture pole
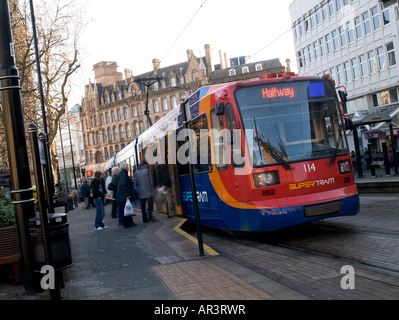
(21, 187)
(32, 130)
(187, 127)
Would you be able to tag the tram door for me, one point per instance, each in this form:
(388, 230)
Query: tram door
(207, 198)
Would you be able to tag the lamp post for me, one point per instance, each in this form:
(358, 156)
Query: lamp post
(47, 169)
(22, 192)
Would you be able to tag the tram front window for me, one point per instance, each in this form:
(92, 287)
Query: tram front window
(291, 122)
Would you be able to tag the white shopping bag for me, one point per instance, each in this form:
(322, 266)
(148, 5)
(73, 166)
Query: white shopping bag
(129, 209)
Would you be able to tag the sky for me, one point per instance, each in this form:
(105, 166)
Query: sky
(133, 33)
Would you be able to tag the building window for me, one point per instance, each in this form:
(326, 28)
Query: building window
(173, 82)
(332, 74)
(156, 106)
(393, 95)
(318, 18)
(245, 70)
(126, 113)
(164, 104)
(115, 132)
(195, 75)
(109, 135)
(127, 129)
(328, 43)
(113, 116)
(366, 23)
(348, 76)
(376, 18)
(258, 67)
(305, 56)
(119, 114)
(342, 36)
(104, 136)
(173, 99)
(324, 10)
(358, 28)
(322, 48)
(299, 55)
(372, 64)
(363, 65)
(391, 54)
(385, 15)
(338, 4)
(232, 72)
(340, 77)
(349, 29)
(310, 51)
(355, 69)
(381, 58)
(331, 7)
(335, 40)
(107, 117)
(316, 50)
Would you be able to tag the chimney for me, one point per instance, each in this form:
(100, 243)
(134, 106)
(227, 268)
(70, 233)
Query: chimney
(221, 60)
(226, 65)
(288, 62)
(156, 64)
(189, 54)
(128, 73)
(208, 57)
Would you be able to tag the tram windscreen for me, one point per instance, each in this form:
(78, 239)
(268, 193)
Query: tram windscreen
(291, 121)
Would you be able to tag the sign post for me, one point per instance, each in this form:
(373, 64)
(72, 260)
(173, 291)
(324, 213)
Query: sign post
(186, 125)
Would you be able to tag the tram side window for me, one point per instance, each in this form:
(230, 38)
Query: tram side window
(202, 150)
(231, 124)
(182, 168)
(219, 141)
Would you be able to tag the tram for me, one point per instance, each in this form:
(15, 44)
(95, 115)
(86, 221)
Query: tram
(267, 154)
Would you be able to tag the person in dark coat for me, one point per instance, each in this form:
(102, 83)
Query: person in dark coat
(125, 191)
(144, 186)
(114, 192)
(85, 193)
(166, 187)
(97, 189)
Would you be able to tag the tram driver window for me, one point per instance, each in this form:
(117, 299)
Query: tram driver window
(202, 150)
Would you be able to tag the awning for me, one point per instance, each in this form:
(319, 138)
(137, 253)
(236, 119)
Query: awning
(376, 117)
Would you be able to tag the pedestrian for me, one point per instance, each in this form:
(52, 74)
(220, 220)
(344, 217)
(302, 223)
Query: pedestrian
(85, 193)
(166, 188)
(144, 186)
(125, 191)
(97, 189)
(75, 199)
(113, 190)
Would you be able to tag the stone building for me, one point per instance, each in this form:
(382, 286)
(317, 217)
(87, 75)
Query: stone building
(113, 109)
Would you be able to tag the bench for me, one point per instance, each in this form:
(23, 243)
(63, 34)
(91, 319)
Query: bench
(9, 250)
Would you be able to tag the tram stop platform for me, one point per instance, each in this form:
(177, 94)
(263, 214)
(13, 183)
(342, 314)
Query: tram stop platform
(152, 261)
(157, 261)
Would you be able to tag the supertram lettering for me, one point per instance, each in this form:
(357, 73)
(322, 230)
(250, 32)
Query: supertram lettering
(312, 184)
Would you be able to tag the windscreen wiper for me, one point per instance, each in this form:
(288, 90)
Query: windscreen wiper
(334, 156)
(271, 150)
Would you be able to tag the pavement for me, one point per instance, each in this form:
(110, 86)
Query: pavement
(153, 261)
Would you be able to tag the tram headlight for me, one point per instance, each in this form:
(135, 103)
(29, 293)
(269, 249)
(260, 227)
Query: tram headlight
(345, 166)
(264, 179)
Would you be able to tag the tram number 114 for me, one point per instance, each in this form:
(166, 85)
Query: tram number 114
(309, 167)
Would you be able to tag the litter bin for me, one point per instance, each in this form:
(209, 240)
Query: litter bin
(59, 240)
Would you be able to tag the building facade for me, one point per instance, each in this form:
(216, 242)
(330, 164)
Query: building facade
(356, 42)
(70, 151)
(112, 113)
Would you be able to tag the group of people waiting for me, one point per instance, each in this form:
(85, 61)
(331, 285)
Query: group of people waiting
(120, 188)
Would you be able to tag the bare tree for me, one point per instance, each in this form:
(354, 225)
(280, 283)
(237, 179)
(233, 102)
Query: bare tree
(59, 25)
